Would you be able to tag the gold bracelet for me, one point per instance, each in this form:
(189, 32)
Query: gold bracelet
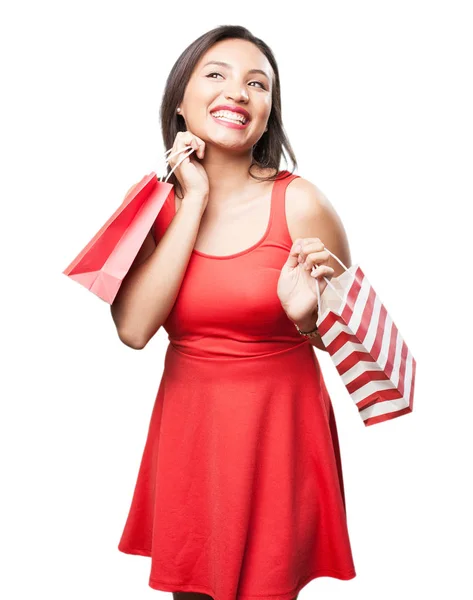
(308, 334)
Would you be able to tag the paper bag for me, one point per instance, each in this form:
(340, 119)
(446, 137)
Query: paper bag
(367, 349)
(102, 265)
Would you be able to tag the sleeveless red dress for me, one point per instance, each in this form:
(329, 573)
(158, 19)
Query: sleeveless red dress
(239, 494)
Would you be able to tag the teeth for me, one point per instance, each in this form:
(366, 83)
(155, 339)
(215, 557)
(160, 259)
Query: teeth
(228, 114)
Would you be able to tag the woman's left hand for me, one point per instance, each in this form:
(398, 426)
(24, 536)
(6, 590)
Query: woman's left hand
(297, 289)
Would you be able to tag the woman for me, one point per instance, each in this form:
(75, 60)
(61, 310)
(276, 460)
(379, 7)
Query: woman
(239, 495)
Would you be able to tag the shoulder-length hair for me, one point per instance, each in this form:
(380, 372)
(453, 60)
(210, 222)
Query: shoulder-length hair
(267, 151)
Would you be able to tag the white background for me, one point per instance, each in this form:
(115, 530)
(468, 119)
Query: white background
(377, 103)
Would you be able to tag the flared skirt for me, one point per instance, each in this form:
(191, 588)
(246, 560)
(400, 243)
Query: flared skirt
(240, 493)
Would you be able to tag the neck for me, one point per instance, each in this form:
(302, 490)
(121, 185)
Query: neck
(228, 174)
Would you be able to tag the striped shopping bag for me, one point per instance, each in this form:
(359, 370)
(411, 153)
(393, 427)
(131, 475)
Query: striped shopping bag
(365, 345)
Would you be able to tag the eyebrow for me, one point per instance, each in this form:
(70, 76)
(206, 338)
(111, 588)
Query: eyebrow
(224, 64)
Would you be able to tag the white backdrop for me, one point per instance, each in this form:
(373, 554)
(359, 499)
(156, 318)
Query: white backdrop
(377, 101)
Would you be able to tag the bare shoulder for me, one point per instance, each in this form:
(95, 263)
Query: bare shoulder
(304, 198)
(310, 214)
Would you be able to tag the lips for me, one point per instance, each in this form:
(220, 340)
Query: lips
(236, 109)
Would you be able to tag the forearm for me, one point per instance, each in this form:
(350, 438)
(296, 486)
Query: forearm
(148, 293)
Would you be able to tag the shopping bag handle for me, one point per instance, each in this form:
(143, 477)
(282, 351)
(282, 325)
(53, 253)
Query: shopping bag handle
(327, 280)
(178, 163)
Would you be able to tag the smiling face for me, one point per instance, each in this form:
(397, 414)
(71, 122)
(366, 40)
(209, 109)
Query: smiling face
(245, 81)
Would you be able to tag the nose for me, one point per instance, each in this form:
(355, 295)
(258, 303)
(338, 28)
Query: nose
(237, 96)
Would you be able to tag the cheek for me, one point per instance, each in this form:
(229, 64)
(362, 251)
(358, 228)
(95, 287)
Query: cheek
(267, 106)
(197, 100)
(202, 91)
(263, 116)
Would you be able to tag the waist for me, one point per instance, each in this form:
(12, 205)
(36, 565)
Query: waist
(225, 349)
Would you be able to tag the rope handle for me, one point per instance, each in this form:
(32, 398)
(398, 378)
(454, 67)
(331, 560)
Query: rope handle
(327, 280)
(178, 163)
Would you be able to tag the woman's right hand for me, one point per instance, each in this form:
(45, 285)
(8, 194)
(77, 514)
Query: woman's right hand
(190, 173)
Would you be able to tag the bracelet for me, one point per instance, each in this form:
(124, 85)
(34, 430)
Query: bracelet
(308, 334)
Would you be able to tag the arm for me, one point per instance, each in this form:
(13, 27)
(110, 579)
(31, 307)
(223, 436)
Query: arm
(150, 287)
(312, 215)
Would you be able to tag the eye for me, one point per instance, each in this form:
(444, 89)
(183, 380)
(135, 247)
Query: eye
(215, 73)
(261, 84)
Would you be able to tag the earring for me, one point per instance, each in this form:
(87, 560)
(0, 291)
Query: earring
(178, 110)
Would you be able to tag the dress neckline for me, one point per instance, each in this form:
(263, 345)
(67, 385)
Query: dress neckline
(256, 244)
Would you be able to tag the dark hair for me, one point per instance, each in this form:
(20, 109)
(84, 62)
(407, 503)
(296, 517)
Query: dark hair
(267, 151)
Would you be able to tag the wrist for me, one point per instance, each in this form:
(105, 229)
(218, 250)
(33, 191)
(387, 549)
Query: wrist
(308, 323)
(195, 199)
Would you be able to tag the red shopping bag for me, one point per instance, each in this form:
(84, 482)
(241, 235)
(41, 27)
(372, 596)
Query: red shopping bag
(365, 345)
(102, 265)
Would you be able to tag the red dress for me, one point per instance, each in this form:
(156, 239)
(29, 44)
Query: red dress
(240, 492)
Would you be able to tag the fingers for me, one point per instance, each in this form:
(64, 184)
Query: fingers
(294, 253)
(312, 253)
(309, 253)
(183, 162)
(197, 144)
(322, 270)
(314, 259)
(187, 138)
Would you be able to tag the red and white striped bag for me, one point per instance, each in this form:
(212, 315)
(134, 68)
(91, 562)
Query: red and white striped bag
(365, 345)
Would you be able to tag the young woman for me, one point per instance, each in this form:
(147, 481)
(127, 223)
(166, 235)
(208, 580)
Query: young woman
(239, 495)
